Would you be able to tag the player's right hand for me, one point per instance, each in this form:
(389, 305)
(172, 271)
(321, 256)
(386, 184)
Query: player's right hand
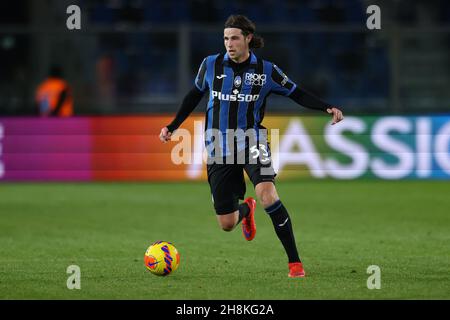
(165, 135)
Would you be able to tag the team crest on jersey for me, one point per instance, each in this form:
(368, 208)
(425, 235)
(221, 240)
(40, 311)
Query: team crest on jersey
(237, 81)
(255, 79)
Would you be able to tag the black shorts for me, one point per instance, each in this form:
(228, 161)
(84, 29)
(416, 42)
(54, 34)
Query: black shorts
(228, 185)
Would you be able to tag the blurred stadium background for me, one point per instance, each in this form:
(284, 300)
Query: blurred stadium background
(140, 57)
(129, 67)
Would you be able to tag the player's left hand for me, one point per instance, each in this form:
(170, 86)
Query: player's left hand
(337, 115)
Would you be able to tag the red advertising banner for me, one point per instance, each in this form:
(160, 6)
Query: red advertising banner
(84, 149)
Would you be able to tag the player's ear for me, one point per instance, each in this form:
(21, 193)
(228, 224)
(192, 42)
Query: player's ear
(249, 38)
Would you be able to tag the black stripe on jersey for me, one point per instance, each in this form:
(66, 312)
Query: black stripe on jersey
(217, 86)
(234, 105)
(201, 75)
(255, 90)
(262, 110)
(281, 80)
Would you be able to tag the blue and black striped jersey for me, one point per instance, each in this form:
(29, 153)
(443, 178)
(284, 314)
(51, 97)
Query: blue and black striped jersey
(237, 100)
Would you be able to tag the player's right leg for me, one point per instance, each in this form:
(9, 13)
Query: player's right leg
(228, 221)
(245, 213)
(227, 187)
(248, 221)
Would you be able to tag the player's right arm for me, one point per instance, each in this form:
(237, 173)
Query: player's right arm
(188, 105)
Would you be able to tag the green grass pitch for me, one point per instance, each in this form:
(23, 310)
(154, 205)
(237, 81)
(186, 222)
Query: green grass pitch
(341, 228)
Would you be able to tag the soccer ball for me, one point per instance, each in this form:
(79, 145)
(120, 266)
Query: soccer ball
(161, 258)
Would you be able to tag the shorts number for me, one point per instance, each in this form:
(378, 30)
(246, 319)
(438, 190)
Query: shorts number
(256, 151)
(265, 153)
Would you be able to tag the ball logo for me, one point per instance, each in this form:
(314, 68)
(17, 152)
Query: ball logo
(237, 81)
(151, 262)
(255, 79)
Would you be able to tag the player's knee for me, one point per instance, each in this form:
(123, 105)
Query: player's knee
(267, 198)
(228, 227)
(266, 193)
(227, 222)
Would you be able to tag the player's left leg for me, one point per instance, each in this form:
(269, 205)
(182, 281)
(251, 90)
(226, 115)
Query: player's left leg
(262, 176)
(268, 197)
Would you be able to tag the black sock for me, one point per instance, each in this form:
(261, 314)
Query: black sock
(283, 228)
(244, 210)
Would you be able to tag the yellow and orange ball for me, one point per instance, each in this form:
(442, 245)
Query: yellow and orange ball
(161, 258)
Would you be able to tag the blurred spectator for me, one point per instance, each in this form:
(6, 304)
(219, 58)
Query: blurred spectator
(105, 73)
(54, 95)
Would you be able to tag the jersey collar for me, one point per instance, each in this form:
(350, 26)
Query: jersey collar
(253, 59)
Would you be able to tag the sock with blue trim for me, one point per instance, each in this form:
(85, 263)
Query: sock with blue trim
(283, 228)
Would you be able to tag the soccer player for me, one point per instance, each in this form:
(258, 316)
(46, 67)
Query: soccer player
(239, 83)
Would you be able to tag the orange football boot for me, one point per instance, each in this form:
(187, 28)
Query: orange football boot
(296, 270)
(248, 222)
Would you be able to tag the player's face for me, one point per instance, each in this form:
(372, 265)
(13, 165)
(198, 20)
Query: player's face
(236, 44)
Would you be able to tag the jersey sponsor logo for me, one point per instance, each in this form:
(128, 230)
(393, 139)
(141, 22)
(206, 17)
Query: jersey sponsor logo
(255, 79)
(235, 97)
(237, 81)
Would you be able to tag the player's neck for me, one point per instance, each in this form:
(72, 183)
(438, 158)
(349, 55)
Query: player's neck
(242, 58)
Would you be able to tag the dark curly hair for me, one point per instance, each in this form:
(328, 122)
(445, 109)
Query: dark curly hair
(247, 27)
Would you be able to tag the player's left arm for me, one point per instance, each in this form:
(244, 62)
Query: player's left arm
(282, 85)
(308, 100)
